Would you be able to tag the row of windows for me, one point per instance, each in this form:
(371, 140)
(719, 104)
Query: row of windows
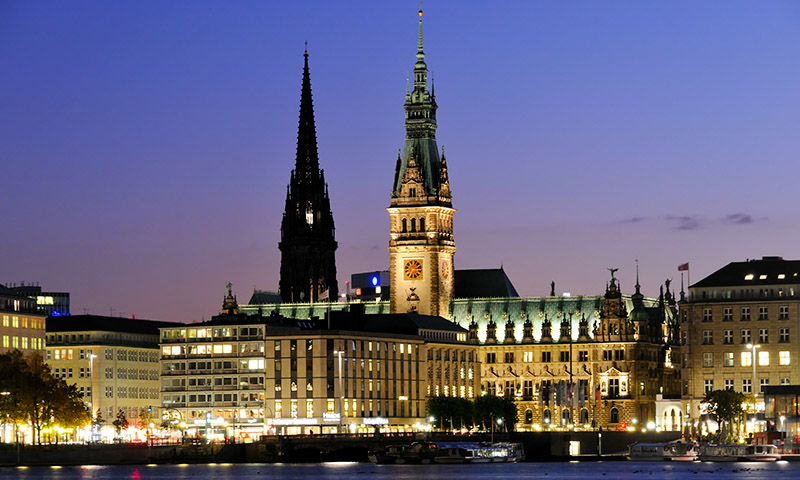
(763, 313)
(746, 359)
(85, 354)
(14, 321)
(746, 336)
(747, 292)
(208, 332)
(563, 356)
(23, 342)
(747, 384)
(133, 392)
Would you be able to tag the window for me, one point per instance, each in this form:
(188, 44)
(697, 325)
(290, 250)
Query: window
(583, 356)
(727, 359)
(783, 358)
(708, 359)
(763, 335)
(564, 356)
(746, 337)
(745, 314)
(491, 357)
(727, 314)
(762, 313)
(763, 359)
(727, 337)
(708, 337)
(728, 384)
(746, 359)
(614, 417)
(527, 357)
(707, 315)
(708, 385)
(783, 335)
(785, 381)
(747, 385)
(783, 312)
(613, 387)
(762, 382)
(545, 356)
(509, 357)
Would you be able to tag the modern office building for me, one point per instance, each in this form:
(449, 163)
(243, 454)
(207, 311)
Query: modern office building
(53, 304)
(739, 327)
(23, 326)
(113, 361)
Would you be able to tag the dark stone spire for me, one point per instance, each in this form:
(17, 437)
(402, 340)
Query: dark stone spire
(308, 241)
(307, 164)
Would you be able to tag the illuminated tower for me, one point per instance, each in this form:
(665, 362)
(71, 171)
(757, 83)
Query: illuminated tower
(308, 242)
(421, 246)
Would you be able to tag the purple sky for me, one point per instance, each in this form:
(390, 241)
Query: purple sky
(145, 146)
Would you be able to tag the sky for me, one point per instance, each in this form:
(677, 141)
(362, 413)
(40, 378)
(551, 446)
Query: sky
(145, 146)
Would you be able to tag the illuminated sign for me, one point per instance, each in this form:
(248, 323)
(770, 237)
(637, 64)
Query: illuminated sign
(402, 397)
(292, 421)
(331, 417)
(376, 421)
(375, 280)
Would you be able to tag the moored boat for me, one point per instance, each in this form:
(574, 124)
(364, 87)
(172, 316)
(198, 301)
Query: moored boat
(449, 453)
(656, 452)
(739, 453)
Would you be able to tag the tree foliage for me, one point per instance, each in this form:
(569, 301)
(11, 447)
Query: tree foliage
(29, 393)
(121, 422)
(454, 412)
(727, 406)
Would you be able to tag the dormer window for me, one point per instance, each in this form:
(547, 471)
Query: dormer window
(412, 192)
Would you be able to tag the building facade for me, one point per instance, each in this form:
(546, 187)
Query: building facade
(53, 304)
(739, 327)
(421, 245)
(308, 244)
(23, 326)
(244, 376)
(113, 361)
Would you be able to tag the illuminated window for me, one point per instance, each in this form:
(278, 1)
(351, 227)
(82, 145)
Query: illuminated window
(331, 405)
(708, 359)
(749, 276)
(309, 408)
(763, 358)
(728, 359)
(781, 276)
(784, 358)
(746, 359)
(15, 342)
(762, 277)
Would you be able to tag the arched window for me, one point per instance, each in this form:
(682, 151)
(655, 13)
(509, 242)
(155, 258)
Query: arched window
(614, 415)
(404, 226)
(422, 224)
(528, 416)
(584, 416)
(413, 224)
(565, 417)
(546, 416)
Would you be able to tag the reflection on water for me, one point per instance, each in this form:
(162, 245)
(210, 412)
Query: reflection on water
(350, 471)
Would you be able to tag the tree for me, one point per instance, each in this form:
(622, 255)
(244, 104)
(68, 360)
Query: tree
(727, 406)
(120, 423)
(490, 408)
(450, 412)
(29, 393)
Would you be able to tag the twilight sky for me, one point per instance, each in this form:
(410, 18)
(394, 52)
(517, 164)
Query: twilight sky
(145, 146)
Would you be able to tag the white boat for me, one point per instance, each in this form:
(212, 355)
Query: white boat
(657, 452)
(739, 453)
(450, 452)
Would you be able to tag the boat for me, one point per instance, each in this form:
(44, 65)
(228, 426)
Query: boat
(655, 452)
(387, 456)
(449, 453)
(739, 453)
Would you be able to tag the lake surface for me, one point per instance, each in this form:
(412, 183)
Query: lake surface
(351, 471)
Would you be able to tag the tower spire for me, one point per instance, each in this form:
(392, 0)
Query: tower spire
(307, 162)
(308, 243)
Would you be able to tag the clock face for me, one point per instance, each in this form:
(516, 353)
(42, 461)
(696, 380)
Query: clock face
(412, 269)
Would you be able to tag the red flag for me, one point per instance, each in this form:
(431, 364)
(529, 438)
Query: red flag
(684, 267)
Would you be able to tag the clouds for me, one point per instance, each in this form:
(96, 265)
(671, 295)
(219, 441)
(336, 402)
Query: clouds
(696, 222)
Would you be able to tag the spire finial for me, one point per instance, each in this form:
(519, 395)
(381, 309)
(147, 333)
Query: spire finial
(419, 46)
(306, 52)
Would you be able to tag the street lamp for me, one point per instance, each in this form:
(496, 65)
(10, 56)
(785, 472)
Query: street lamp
(753, 347)
(341, 390)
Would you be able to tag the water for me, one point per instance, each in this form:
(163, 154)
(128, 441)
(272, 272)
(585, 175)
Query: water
(351, 471)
